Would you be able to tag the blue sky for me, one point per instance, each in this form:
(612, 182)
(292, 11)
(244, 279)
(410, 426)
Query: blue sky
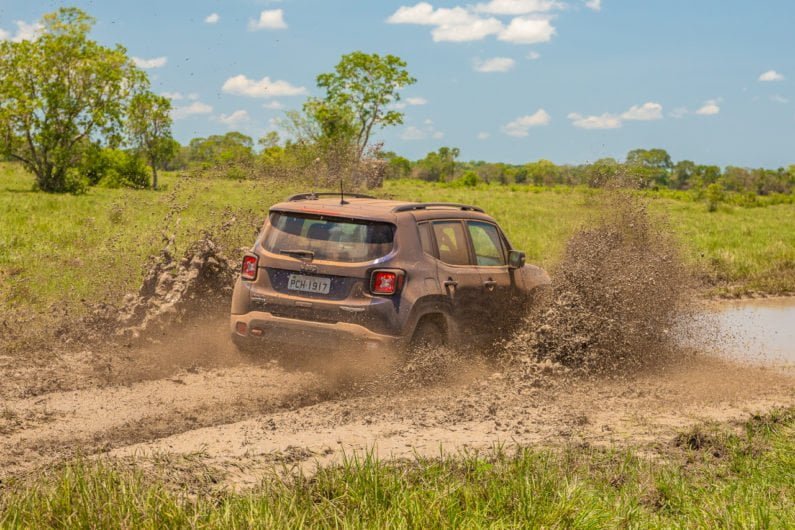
(504, 80)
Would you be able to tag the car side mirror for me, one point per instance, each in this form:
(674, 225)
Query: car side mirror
(516, 259)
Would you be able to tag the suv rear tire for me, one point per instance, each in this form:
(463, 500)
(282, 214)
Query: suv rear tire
(428, 334)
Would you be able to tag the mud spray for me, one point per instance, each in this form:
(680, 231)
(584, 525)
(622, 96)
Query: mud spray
(618, 295)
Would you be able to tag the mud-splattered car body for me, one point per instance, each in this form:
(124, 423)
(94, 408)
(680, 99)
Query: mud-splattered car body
(325, 271)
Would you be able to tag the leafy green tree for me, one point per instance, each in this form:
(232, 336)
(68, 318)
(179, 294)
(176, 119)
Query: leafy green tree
(438, 166)
(233, 148)
(651, 166)
(59, 93)
(682, 174)
(542, 172)
(359, 97)
(149, 128)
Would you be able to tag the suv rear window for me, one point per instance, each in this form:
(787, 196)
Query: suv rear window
(330, 238)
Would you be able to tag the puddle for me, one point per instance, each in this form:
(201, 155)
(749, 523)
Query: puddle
(757, 330)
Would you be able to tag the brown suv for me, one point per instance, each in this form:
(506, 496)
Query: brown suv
(327, 271)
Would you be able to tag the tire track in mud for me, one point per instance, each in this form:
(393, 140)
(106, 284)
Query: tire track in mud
(51, 427)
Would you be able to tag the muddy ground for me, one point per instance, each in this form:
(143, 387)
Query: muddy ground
(193, 398)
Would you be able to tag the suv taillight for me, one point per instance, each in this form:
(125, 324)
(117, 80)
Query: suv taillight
(249, 269)
(386, 282)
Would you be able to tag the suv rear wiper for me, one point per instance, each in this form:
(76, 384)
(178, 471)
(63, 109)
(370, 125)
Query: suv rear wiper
(298, 253)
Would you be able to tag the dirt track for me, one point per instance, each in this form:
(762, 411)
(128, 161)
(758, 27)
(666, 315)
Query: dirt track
(242, 415)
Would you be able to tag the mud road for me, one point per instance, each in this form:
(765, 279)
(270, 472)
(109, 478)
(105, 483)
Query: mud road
(193, 396)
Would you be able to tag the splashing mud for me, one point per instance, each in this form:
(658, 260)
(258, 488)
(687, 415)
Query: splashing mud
(616, 298)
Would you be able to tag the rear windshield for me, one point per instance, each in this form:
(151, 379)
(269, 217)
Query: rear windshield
(329, 238)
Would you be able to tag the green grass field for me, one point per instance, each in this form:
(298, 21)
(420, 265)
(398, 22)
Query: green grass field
(60, 249)
(709, 477)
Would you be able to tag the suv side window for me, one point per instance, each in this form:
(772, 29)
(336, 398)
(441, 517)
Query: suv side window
(426, 239)
(451, 242)
(487, 243)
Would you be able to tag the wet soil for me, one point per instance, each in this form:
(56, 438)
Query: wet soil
(240, 415)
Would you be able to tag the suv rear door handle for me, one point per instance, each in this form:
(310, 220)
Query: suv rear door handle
(450, 283)
(490, 284)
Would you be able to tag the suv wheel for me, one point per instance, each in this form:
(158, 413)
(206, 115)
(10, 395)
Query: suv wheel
(428, 334)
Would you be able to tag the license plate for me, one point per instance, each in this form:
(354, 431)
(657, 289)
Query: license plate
(309, 284)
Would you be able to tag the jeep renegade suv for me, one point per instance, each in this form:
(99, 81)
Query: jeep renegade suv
(330, 271)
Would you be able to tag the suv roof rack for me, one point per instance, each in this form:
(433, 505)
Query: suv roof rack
(427, 205)
(312, 196)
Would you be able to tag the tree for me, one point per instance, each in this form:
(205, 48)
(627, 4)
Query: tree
(59, 93)
(149, 127)
(438, 166)
(650, 165)
(232, 148)
(359, 95)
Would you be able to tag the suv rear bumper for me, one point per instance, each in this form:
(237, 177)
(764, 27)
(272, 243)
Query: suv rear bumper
(317, 335)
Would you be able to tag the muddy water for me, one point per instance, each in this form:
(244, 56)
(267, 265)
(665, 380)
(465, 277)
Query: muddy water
(757, 330)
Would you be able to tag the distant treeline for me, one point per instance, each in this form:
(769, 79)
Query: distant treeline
(644, 168)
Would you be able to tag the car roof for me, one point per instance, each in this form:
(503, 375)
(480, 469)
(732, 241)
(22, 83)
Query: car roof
(368, 208)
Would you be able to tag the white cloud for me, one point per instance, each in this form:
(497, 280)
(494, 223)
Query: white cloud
(268, 19)
(25, 31)
(175, 96)
(517, 7)
(476, 29)
(646, 112)
(679, 112)
(771, 75)
(264, 88)
(413, 133)
(212, 18)
(273, 105)
(709, 108)
(533, 55)
(424, 14)
(778, 98)
(197, 107)
(524, 30)
(605, 121)
(521, 125)
(483, 135)
(147, 64)
(495, 64)
(415, 101)
(451, 24)
(193, 96)
(596, 5)
(236, 118)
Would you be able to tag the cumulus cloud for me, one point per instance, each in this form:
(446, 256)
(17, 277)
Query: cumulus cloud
(778, 98)
(771, 75)
(709, 108)
(174, 96)
(525, 30)
(234, 119)
(596, 5)
(414, 102)
(521, 125)
(414, 133)
(483, 135)
(517, 7)
(533, 55)
(454, 24)
(197, 107)
(25, 31)
(148, 64)
(495, 64)
(646, 112)
(268, 19)
(241, 85)
(605, 121)
(273, 105)
(212, 18)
